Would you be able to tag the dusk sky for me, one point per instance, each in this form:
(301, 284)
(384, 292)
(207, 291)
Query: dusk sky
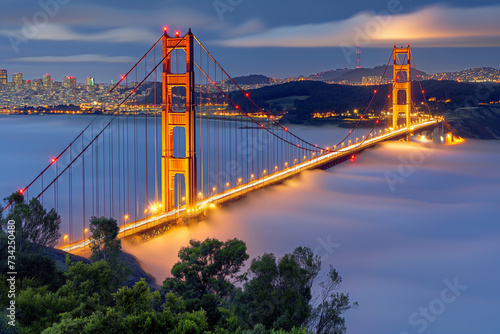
(275, 38)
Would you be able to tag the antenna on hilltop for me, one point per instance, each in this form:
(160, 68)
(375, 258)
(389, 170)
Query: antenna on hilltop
(358, 54)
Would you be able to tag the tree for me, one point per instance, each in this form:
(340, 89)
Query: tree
(203, 275)
(327, 316)
(278, 293)
(104, 245)
(207, 268)
(34, 225)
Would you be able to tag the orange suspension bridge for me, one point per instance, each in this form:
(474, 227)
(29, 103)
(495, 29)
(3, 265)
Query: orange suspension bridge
(202, 143)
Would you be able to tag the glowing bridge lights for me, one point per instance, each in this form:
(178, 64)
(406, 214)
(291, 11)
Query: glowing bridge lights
(155, 207)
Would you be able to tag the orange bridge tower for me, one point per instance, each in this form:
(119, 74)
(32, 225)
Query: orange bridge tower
(182, 163)
(401, 88)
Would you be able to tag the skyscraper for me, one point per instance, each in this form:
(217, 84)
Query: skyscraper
(47, 81)
(90, 81)
(3, 77)
(17, 79)
(37, 83)
(69, 82)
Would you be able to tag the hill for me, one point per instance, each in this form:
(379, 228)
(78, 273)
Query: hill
(253, 79)
(307, 97)
(481, 122)
(470, 75)
(137, 272)
(356, 75)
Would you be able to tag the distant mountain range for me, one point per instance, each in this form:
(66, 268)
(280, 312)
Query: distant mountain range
(356, 75)
(473, 74)
(253, 79)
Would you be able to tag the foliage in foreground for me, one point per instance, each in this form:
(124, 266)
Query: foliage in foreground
(206, 293)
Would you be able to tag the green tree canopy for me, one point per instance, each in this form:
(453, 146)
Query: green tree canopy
(103, 233)
(327, 317)
(278, 293)
(207, 268)
(34, 225)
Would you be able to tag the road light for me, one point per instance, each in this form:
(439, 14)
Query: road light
(65, 238)
(85, 233)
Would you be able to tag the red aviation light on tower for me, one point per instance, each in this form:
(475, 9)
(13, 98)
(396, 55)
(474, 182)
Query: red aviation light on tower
(53, 160)
(177, 33)
(165, 28)
(247, 94)
(376, 122)
(21, 191)
(353, 158)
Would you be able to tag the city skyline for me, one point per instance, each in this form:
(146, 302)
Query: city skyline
(62, 37)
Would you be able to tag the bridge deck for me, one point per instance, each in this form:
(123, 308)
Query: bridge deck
(158, 223)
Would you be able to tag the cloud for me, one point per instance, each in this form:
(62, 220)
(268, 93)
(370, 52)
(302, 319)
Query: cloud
(83, 58)
(431, 26)
(93, 15)
(252, 26)
(57, 32)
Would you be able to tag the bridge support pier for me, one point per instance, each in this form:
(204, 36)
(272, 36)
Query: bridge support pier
(183, 164)
(401, 88)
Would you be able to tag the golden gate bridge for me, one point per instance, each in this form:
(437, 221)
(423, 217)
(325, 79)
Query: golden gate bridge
(208, 145)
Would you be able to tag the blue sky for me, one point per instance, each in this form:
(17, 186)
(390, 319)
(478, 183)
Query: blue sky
(276, 38)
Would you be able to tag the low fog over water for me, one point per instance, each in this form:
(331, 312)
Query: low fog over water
(413, 228)
(401, 224)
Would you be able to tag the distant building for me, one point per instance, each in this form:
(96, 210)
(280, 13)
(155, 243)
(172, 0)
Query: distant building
(69, 82)
(371, 80)
(37, 83)
(90, 81)
(28, 84)
(47, 81)
(3, 77)
(17, 79)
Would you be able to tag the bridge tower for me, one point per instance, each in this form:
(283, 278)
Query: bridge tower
(401, 88)
(179, 164)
